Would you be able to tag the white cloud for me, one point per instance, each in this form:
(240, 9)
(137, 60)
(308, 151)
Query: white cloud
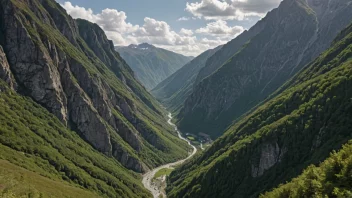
(230, 9)
(112, 21)
(158, 33)
(220, 28)
(79, 12)
(213, 42)
(186, 32)
(183, 19)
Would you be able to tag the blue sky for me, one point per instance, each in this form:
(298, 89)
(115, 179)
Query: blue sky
(184, 26)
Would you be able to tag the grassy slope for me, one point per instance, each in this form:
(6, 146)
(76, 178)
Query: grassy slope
(34, 139)
(307, 121)
(149, 113)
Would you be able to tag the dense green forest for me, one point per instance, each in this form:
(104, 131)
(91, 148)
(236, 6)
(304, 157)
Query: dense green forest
(332, 178)
(276, 141)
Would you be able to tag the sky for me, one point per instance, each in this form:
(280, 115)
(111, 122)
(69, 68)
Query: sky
(187, 27)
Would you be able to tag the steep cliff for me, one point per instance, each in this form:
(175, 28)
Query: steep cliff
(70, 68)
(152, 65)
(174, 90)
(289, 37)
(274, 143)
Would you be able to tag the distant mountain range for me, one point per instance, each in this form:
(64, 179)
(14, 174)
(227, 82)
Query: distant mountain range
(150, 64)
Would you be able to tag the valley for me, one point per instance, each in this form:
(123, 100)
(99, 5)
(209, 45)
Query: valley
(177, 99)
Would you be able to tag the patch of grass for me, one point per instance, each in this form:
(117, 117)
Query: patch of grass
(191, 138)
(162, 172)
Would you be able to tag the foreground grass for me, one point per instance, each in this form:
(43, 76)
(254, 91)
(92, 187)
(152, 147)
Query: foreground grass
(19, 182)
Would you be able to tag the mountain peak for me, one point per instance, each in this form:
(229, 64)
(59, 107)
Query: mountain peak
(132, 46)
(145, 46)
(142, 46)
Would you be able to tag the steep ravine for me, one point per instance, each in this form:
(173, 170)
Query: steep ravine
(148, 177)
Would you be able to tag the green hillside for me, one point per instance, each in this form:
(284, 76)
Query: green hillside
(34, 139)
(279, 139)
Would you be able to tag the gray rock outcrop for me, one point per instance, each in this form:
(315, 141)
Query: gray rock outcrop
(270, 155)
(5, 72)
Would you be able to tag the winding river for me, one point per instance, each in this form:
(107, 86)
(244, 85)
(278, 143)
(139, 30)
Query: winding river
(148, 177)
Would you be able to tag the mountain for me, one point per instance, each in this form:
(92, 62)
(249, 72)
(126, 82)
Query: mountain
(150, 64)
(227, 51)
(174, 90)
(71, 109)
(275, 142)
(279, 46)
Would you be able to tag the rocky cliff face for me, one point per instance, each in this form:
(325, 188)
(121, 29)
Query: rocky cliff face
(5, 72)
(270, 154)
(288, 38)
(71, 69)
(152, 65)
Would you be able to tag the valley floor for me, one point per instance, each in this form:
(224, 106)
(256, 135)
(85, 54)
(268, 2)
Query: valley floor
(154, 187)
